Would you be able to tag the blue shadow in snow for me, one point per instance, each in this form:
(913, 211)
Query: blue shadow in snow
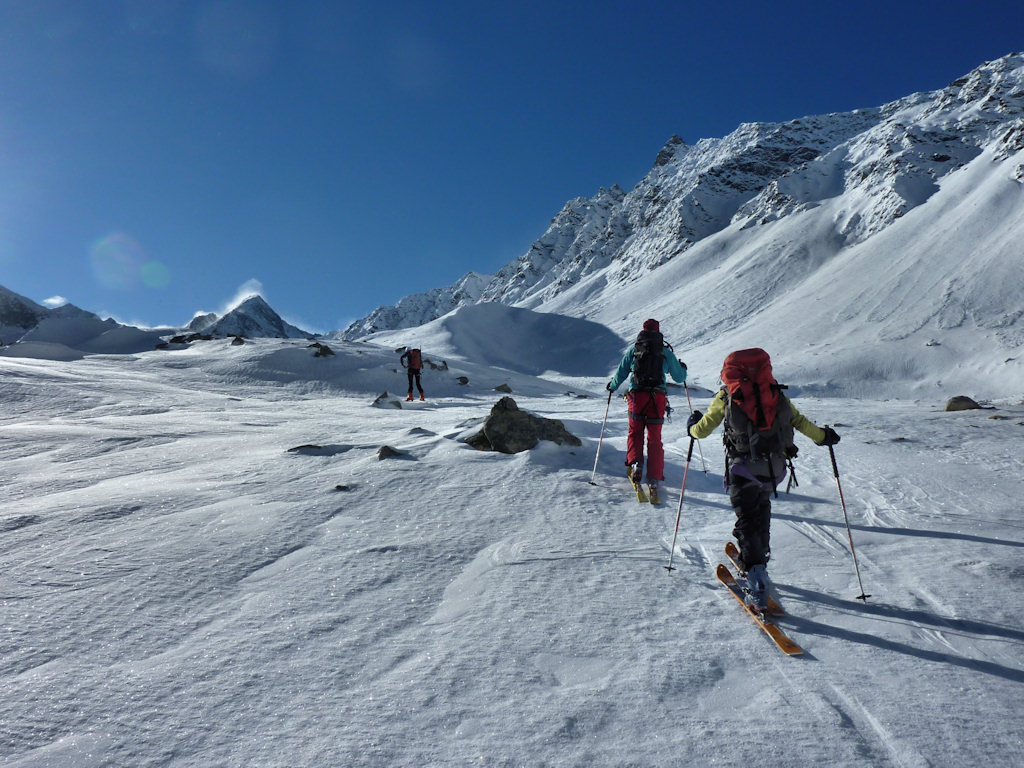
(918, 618)
(534, 342)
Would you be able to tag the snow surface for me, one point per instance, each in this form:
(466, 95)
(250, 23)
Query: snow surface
(181, 588)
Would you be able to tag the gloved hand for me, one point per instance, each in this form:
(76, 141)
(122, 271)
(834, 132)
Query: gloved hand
(791, 451)
(831, 437)
(609, 387)
(694, 418)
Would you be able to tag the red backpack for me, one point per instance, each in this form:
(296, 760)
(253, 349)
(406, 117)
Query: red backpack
(747, 375)
(415, 359)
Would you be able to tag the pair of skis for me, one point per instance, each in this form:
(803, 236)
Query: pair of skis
(641, 495)
(762, 613)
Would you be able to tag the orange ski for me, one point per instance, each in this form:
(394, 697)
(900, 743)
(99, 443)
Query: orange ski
(771, 629)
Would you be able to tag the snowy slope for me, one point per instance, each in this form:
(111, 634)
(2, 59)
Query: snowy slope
(513, 338)
(905, 218)
(180, 588)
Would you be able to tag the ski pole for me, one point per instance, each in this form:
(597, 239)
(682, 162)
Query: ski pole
(679, 512)
(601, 439)
(835, 471)
(699, 449)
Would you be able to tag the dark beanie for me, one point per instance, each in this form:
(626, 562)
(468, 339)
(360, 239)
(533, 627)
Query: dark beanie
(651, 325)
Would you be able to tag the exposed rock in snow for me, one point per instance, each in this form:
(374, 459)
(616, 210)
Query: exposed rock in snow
(510, 430)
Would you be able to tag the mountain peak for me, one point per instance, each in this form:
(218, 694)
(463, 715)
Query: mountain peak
(251, 303)
(669, 151)
(252, 317)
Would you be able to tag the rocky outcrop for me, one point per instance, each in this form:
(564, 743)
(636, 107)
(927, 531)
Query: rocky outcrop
(322, 350)
(510, 430)
(961, 403)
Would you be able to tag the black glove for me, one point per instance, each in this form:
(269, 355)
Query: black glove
(831, 437)
(791, 451)
(694, 418)
(609, 387)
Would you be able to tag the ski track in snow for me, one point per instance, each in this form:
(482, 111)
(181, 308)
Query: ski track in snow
(181, 588)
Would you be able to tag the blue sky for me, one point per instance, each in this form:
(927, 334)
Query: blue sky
(159, 156)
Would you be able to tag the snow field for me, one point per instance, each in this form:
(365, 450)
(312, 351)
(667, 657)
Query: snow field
(180, 588)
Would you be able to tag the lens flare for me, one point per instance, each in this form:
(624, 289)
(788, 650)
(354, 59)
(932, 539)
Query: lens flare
(117, 260)
(155, 275)
(120, 262)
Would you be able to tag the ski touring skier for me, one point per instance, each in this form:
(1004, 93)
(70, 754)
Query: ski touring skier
(759, 427)
(646, 364)
(412, 361)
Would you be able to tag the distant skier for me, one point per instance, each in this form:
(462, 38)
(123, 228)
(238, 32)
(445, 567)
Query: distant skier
(759, 423)
(646, 363)
(412, 361)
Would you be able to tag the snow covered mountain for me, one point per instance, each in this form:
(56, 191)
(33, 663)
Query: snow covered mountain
(420, 308)
(18, 315)
(253, 317)
(756, 238)
(67, 332)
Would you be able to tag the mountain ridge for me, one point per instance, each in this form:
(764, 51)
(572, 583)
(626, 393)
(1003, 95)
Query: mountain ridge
(880, 163)
(69, 331)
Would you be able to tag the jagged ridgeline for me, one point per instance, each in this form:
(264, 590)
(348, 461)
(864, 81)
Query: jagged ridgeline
(841, 179)
(68, 331)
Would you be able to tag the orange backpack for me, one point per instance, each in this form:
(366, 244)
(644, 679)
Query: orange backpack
(747, 374)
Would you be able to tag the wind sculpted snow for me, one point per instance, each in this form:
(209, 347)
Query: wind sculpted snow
(182, 588)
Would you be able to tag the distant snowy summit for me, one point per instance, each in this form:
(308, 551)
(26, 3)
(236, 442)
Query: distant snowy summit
(879, 164)
(420, 308)
(67, 332)
(19, 316)
(252, 318)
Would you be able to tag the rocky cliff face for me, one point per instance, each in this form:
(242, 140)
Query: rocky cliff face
(873, 166)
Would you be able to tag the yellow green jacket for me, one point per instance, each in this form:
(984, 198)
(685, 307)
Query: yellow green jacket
(716, 412)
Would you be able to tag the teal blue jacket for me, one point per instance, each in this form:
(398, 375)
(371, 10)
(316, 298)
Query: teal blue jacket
(670, 366)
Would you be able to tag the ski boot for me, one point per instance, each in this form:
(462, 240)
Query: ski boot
(757, 581)
(422, 398)
(409, 398)
(652, 491)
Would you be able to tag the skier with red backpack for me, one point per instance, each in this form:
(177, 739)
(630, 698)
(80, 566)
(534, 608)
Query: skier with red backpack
(412, 361)
(646, 364)
(759, 427)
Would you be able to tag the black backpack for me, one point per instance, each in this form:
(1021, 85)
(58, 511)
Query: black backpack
(649, 360)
